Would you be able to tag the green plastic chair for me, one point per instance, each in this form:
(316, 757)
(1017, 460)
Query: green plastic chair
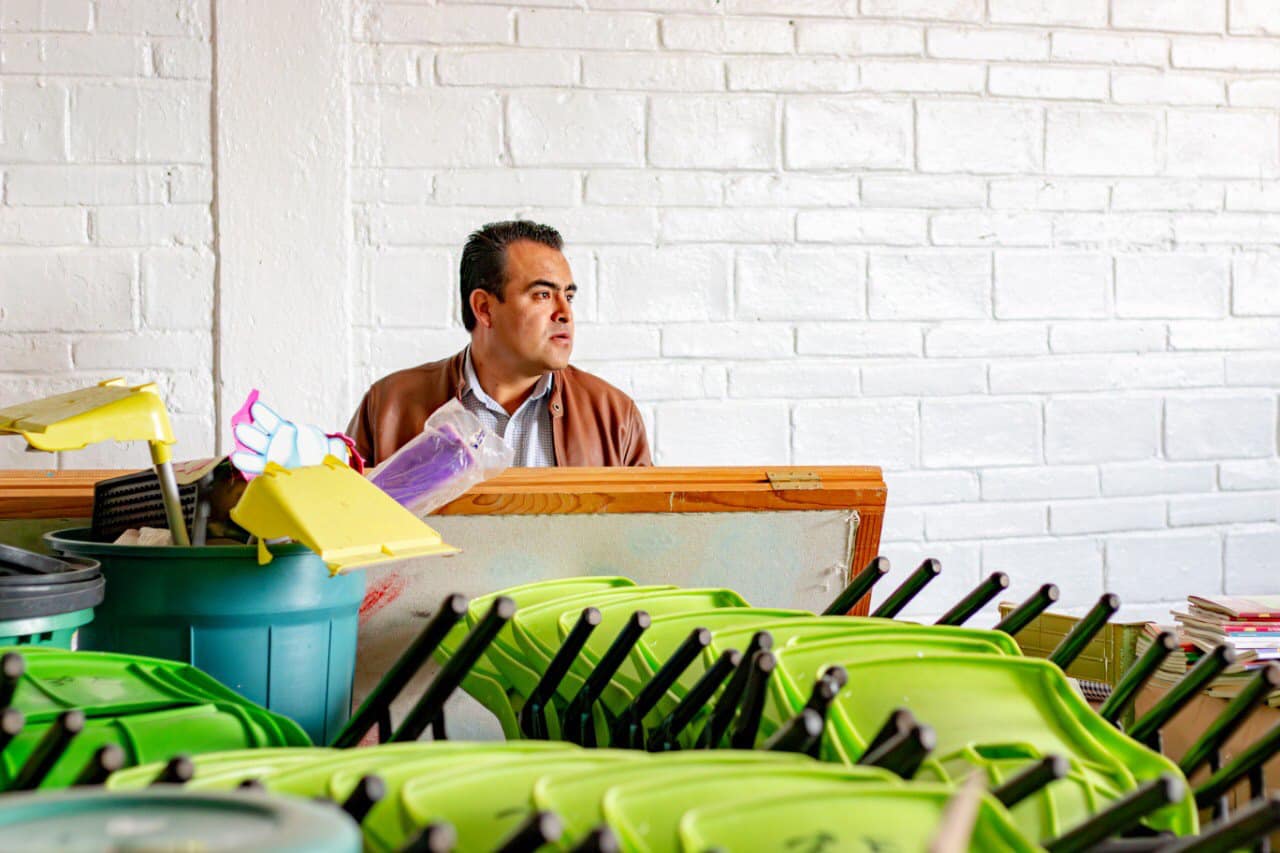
(486, 682)
(335, 776)
(483, 803)
(576, 797)
(989, 705)
(646, 813)
(145, 738)
(862, 817)
(224, 771)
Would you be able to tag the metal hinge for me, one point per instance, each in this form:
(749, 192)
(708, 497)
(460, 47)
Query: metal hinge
(783, 481)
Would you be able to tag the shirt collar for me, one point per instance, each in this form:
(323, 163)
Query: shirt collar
(471, 383)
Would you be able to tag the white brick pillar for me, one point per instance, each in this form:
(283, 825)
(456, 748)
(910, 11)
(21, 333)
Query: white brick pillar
(282, 206)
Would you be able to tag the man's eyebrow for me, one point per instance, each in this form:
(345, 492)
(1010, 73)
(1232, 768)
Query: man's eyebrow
(568, 288)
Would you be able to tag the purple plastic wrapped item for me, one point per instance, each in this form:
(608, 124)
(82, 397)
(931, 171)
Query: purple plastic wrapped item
(453, 452)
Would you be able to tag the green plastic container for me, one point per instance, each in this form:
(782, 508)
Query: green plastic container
(43, 599)
(282, 635)
(55, 631)
(87, 821)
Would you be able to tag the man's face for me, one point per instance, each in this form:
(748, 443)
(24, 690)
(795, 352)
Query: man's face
(534, 321)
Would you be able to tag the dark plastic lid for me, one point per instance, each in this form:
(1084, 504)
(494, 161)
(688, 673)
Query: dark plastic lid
(97, 820)
(33, 584)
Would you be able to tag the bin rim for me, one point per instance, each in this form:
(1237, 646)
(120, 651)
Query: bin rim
(79, 541)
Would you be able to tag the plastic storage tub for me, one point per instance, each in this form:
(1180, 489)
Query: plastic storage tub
(43, 600)
(282, 635)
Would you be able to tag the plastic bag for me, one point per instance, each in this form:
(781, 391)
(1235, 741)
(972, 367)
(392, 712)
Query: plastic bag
(453, 452)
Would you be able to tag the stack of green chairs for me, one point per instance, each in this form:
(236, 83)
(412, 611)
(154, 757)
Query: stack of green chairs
(991, 710)
(67, 712)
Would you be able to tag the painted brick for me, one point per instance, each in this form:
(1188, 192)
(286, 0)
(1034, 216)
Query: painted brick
(1074, 565)
(507, 186)
(930, 77)
(1100, 142)
(768, 284)
(934, 286)
(1229, 55)
(894, 228)
(1262, 196)
(791, 75)
(1147, 87)
(979, 432)
(1254, 93)
(1039, 284)
(1253, 17)
(44, 226)
(613, 342)
(850, 38)
(1178, 15)
(1107, 429)
(33, 122)
(703, 225)
(1106, 516)
(1166, 195)
(1254, 474)
(1171, 285)
(950, 10)
(1219, 335)
(787, 190)
(407, 131)
(177, 288)
(1005, 45)
(721, 35)
(1067, 13)
(922, 191)
(70, 291)
(1049, 194)
(789, 379)
(671, 284)
(589, 30)
(840, 133)
(986, 339)
(1110, 47)
(1223, 509)
(1252, 560)
(1025, 484)
(1049, 83)
(723, 433)
(1205, 144)
(439, 25)
(990, 229)
(725, 132)
(744, 340)
(913, 488)
(1166, 566)
(647, 73)
(172, 123)
(1131, 479)
(858, 339)
(1255, 284)
(413, 288)
(1108, 336)
(933, 380)
(985, 521)
(153, 225)
(652, 187)
(981, 138)
(1260, 370)
(575, 128)
(506, 68)
(841, 433)
(1221, 426)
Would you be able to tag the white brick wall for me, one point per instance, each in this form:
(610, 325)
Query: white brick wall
(106, 261)
(1021, 253)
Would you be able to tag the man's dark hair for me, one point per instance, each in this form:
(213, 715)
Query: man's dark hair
(484, 258)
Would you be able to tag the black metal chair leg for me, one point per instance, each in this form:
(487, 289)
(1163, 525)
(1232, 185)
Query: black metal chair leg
(1255, 821)
(663, 738)
(378, 703)
(904, 753)
(1248, 761)
(11, 723)
(434, 838)
(1120, 816)
(1026, 612)
(12, 668)
(798, 734)
(599, 840)
(1206, 669)
(995, 583)
(64, 729)
(577, 726)
(431, 705)
(105, 760)
(1136, 677)
(533, 714)
(898, 723)
(924, 574)
(858, 587)
(1079, 637)
(753, 698)
(367, 793)
(723, 713)
(178, 770)
(1051, 768)
(628, 730)
(538, 829)
(1254, 692)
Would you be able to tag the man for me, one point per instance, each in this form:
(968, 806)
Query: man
(517, 303)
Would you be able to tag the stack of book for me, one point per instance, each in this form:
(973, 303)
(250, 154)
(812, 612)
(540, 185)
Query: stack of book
(1250, 625)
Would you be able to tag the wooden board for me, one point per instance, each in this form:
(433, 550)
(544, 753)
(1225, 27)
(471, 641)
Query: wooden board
(550, 491)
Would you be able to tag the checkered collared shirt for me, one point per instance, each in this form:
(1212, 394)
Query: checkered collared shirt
(528, 431)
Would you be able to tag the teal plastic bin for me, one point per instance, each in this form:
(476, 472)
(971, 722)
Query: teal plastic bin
(43, 599)
(282, 635)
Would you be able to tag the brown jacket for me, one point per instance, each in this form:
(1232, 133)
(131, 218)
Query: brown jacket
(592, 423)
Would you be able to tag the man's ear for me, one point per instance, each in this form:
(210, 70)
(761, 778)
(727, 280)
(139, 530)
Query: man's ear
(481, 306)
